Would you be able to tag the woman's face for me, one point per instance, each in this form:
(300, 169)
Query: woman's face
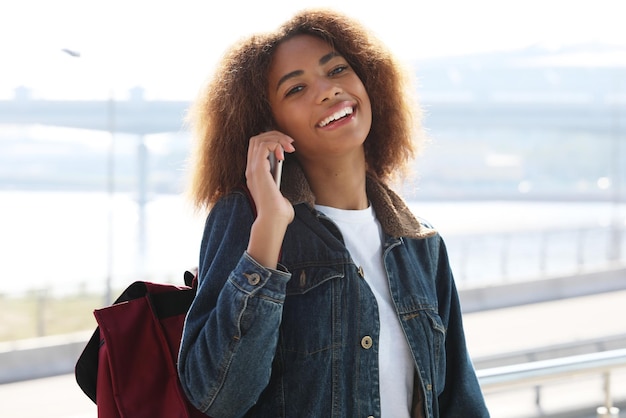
(317, 99)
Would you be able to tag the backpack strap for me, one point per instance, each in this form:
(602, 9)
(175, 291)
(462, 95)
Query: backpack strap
(250, 199)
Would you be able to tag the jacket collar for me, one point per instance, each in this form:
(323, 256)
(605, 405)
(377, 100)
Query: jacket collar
(395, 217)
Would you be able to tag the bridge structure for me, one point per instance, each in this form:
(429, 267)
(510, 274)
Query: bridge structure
(476, 109)
(466, 97)
(138, 116)
(134, 115)
(508, 115)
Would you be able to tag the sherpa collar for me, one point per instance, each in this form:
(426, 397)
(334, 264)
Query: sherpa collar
(395, 217)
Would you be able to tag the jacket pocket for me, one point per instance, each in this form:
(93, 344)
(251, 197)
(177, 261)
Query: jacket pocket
(438, 349)
(428, 342)
(307, 323)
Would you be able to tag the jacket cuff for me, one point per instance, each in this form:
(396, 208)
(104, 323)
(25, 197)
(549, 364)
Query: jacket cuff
(252, 278)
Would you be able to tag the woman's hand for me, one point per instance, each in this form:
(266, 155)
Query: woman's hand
(274, 212)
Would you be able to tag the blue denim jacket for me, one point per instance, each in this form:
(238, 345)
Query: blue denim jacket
(301, 341)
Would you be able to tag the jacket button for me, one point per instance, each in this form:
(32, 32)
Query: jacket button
(253, 278)
(366, 342)
(361, 272)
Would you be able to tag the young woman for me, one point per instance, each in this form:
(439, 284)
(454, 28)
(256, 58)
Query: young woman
(324, 297)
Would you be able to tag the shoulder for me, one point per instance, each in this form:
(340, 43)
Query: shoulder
(228, 224)
(237, 199)
(235, 206)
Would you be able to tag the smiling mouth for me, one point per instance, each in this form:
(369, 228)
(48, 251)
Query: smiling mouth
(338, 115)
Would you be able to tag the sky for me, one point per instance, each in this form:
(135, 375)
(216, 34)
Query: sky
(169, 47)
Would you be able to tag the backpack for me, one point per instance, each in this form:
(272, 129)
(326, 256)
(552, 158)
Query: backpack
(128, 367)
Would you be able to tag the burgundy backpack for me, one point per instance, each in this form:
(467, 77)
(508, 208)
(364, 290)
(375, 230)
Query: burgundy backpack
(128, 367)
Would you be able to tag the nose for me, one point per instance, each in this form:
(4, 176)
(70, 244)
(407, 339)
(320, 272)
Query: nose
(327, 89)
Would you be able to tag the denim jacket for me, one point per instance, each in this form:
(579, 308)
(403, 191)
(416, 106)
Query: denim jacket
(301, 341)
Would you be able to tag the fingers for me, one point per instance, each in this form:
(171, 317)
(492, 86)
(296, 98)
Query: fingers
(259, 149)
(262, 145)
(273, 141)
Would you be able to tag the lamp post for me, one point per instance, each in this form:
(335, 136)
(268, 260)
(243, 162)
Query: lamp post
(615, 244)
(110, 185)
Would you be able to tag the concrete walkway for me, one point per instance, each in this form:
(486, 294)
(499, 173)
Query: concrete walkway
(51, 397)
(528, 328)
(489, 333)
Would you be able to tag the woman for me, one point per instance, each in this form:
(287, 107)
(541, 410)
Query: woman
(324, 297)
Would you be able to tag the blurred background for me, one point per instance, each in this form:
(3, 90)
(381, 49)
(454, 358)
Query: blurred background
(525, 107)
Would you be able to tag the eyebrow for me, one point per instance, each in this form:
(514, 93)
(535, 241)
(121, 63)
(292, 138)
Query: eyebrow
(297, 73)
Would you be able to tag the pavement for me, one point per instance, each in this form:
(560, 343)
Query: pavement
(489, 333)
(530, 326)
(534, 327)
(50, 397)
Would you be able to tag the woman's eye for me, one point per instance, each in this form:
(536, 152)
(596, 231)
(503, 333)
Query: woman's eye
(293, 90)
(338, 70)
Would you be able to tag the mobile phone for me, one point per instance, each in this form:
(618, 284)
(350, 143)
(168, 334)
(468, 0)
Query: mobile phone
(276, 168)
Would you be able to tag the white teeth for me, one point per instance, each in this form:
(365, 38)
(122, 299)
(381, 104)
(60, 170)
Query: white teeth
(337, 115)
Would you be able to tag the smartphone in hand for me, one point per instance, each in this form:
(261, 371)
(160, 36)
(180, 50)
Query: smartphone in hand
(276, 167)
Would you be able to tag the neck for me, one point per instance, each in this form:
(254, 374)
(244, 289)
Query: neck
(338, 184)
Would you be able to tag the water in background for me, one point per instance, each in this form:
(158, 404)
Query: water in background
(60, 240)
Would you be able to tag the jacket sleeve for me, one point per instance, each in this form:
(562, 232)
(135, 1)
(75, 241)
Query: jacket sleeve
(462, 395)
(231, 329)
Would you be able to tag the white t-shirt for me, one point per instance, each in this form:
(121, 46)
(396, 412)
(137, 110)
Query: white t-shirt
(363, 237)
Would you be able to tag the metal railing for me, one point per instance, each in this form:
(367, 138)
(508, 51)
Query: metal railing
(502, 257)
(539, 372)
